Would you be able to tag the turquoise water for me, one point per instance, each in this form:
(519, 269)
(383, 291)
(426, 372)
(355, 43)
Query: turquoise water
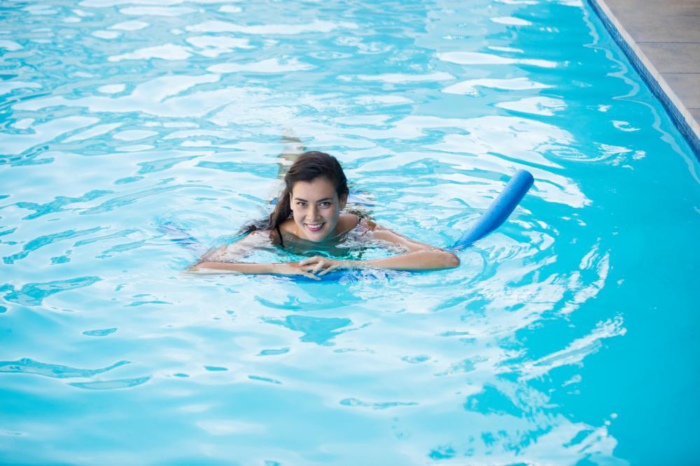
(570, 336)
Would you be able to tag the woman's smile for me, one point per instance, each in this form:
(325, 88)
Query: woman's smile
(314, 227)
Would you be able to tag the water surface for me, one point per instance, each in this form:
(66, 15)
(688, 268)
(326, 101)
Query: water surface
(567, 337)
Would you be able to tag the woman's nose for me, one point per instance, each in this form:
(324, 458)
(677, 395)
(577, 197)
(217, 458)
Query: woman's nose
(313, 212)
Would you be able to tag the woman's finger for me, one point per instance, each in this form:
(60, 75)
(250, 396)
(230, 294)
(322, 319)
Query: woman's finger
(307, 267)
(310, 260)
(319, 266)
(332, 267)
(310, 275)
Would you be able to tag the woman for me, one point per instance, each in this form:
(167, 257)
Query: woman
(308, 214)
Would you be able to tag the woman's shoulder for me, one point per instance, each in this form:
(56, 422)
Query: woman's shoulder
(287, 227)
(347, 222)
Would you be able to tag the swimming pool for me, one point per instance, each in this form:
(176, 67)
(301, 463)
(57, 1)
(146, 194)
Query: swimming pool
(567, 337)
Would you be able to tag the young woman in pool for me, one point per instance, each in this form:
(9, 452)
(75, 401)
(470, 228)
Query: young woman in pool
(309, 214)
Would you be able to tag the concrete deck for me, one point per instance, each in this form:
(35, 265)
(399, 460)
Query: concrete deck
(667, 33)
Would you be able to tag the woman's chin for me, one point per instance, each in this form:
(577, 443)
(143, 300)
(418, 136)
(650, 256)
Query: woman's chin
(316, 237)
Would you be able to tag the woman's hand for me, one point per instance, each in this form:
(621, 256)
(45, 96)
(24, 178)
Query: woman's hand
(322, 265)
(293, 268)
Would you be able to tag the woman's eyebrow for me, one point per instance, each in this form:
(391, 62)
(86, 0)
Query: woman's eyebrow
(320, 200)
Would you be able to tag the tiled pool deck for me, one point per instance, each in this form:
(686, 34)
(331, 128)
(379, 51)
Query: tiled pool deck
(665, 36)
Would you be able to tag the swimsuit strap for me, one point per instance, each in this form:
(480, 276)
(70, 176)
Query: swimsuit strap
(279, 233)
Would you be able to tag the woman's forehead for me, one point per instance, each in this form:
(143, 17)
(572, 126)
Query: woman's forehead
(319, 188)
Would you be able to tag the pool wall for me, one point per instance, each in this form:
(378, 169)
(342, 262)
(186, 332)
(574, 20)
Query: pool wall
(678, 112)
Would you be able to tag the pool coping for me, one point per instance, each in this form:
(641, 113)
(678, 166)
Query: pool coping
(681, 116)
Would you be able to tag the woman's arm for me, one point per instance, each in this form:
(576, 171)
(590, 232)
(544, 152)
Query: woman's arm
(420, 256)
(212, 261)
(280, 268)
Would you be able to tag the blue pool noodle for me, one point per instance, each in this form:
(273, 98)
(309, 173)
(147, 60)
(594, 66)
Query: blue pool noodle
(499, 211)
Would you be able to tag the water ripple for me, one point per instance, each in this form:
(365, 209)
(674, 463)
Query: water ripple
(127, 199)
(264, 379)
(111, 384)
(117, 235)
(355, 403)
(576, 351)
(100, 333)
(42, 241)
(16, 144)
(59, 202)
(273, 352)
(33, 294)
(29, 366)
(319, 330)
(271, 29)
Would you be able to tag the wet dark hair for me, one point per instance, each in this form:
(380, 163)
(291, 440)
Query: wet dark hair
(308, 167)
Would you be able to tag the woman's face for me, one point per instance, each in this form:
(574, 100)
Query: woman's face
(316, 209)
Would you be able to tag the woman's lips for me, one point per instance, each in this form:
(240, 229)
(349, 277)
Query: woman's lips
(314, 226)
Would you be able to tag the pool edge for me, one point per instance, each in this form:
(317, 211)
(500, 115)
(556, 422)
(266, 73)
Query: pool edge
(681, 116)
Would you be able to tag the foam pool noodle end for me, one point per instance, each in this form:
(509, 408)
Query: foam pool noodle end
(499, 210)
